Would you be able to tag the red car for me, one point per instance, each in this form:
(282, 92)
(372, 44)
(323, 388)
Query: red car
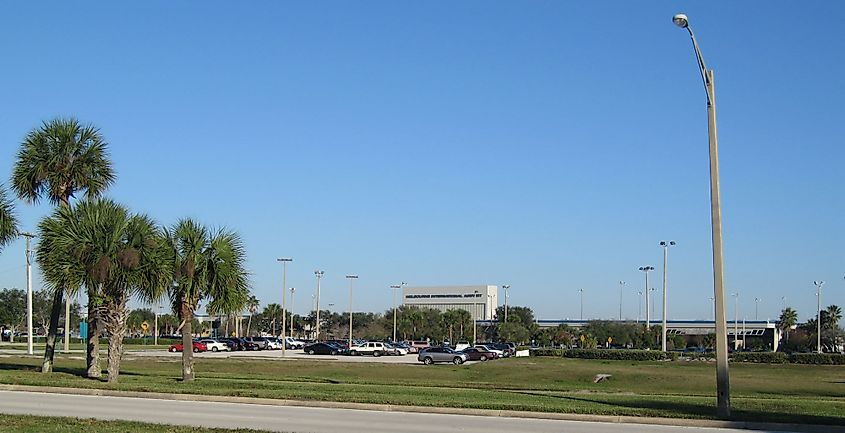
(479, 354)
(198, 347)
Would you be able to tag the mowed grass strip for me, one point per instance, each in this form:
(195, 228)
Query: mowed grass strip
(43, 424)
(771, 393)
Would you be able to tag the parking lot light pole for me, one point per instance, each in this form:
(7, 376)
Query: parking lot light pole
(665, 246)
(646, 270)
(351, 278)
(292, 290)
(507, 295)
(28, 237)
(581, 292)
(736, 320)
(819, 285)
(621, 291)
(284, 261)
(393, 289)
(722, 376)
(319, 275)
(756, 308)
(474, 322)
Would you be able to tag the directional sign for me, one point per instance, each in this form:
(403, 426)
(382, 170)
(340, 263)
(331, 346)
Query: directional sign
(145, 326)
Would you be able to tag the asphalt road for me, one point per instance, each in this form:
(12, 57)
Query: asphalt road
(300, 419)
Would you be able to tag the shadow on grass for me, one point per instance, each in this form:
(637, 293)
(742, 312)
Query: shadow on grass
(80, 372)
(670, 407)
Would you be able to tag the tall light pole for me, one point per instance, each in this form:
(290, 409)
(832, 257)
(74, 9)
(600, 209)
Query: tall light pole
(665, 246)
(474, 323)
(319, 275)
(646, 270)
(621, 291)
(507, 295)
(351, 278)
(581, 292)
(819, 285)
(722, 375)
(756, 308)
(284, 261)
(393, 289)
(639, 305)
(28, 237)
(292, 290)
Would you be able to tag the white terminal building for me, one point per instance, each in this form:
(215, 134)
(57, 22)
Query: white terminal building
(480, 301)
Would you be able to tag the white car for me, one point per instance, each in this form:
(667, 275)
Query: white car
(274, 343)
(294, 343)
(214, 345)
(397, 350)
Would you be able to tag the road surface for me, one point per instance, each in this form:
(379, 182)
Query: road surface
(300, 419)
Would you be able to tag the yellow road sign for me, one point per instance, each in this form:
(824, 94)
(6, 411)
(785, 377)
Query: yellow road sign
(145, 326)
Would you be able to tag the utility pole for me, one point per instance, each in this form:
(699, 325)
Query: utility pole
(506, 287)
(665, 246)
(319, 275)
(351, 278)
(819, 285)
(621, 291)
(284, 261)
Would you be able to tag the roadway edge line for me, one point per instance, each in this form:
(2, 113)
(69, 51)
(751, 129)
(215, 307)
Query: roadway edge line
(613, 419)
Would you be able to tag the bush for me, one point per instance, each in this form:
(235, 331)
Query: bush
(620, 354)
(545, 352)
(817, 358)
(759, 357)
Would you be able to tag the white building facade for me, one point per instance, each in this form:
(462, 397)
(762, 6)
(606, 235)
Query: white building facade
(480, 301)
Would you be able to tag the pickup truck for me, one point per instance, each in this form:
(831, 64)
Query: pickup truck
(375, 348)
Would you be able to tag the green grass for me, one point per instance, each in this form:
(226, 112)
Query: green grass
(39, 424)
(773, 393)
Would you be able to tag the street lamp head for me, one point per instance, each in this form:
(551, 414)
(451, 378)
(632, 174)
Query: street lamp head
(662, 243)
(506, 286)
(284, 259)
(681, 20)
(351, 276)
(292, 289)
(395, 286)
(319, 273)
(671, 242)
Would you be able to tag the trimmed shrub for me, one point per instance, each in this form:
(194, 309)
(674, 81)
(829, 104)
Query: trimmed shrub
(620, 354)
(817, 358)
(759, 357)
(545, 352)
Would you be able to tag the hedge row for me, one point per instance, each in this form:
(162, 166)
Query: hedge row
(656, 355)
(612, 354)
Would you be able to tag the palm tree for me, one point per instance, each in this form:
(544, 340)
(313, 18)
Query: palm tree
(273, 312)
(58, 160)
(252, 307)
(788, 319)
(99, 245)
(8, 222)
(834, 315)
(206, 266)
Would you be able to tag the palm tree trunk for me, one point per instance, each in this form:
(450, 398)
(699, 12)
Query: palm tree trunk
(92, 349)
(52, 330)
(187, 344)
(115, 321)
(248, 324)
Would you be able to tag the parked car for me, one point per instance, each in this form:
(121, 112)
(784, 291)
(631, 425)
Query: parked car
(375, 348)
(395, 350)
(478, 354)
(418, 344)
(341, 343)
(461, 345)
(490, 348)
(274, 343)
(293, 343)
(506, 348)
(261, 342)
(408, 349)
(322, 349)
(215, 345)
(441, 354)
(198, 347)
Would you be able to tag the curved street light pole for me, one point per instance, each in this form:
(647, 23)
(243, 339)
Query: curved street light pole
(722, 375)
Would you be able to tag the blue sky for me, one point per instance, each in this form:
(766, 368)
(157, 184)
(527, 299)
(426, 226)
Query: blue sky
(547, 145)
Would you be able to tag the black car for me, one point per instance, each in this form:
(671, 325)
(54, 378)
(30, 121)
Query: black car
(322, 349)
(240, 343)
(506, 349)
(232, 343)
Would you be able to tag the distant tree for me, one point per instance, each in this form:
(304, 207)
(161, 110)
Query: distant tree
(13, 313)
(59, 160)
(513, 332)
(271, 316)
(834, 315)
(788, 320)
(137, 317)
(252, 305)
(8, 221)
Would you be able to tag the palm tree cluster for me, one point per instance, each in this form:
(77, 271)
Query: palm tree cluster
(113, 254)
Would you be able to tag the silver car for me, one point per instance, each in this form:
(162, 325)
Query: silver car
(441, 354)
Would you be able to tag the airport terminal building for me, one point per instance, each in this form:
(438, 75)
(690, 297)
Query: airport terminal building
(480, 301)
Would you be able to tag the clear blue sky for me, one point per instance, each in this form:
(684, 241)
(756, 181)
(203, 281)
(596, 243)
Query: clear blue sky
(547, 145)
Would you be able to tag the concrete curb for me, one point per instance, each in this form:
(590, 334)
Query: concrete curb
(614, 419)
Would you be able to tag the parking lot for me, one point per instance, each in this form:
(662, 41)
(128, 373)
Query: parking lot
(277, 355)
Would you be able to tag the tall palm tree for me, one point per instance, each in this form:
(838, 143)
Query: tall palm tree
(206, 266)
(8, 222)
(788, 319)
(56, 161)
(99, 245)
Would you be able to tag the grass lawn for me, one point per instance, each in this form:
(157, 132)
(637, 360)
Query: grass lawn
(38, 424)
(770, 393)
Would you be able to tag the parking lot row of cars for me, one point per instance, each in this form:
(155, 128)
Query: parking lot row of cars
(231, 344)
